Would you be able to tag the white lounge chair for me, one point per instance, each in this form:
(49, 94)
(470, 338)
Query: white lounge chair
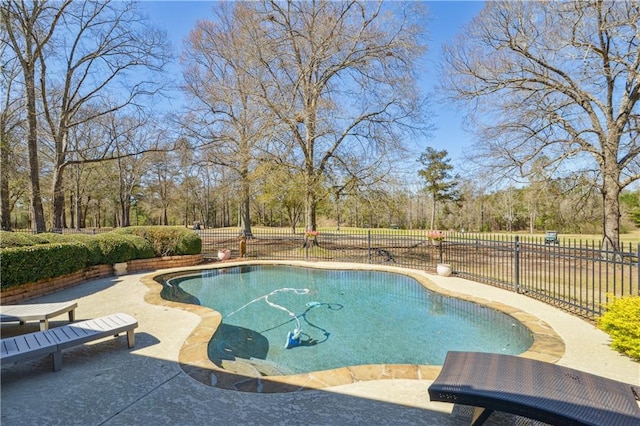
(37, 312)
(53, 341)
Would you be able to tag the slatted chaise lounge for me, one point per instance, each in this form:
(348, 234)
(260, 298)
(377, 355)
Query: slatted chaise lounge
(538, 390)
(37, 312)
(53, 341)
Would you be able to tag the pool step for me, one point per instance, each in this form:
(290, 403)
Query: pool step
(268, 368)
(241, 367)
(254, 367)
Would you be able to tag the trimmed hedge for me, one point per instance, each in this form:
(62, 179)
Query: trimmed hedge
(37, 262)
(95, 255)
(166, 240)
(141, 248)
(31, 257)
(622, 323)
(21, 239)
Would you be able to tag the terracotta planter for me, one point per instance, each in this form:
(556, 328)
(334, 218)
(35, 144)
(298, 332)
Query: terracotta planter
(444, 269)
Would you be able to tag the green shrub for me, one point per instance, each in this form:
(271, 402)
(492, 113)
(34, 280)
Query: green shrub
(23, 239)
(40, 238)
(115, 248)
(622, 322)
(49, 238)
(166, 240)
(141, 248)
(28, 257)
(15, 239)
(190, 243)
(20, 265)
(95, 256)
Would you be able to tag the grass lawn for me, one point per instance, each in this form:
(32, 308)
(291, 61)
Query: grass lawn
(626, 238)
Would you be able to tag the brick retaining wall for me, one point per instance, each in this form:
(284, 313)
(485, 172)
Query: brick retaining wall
(163, 262)
(24, 292)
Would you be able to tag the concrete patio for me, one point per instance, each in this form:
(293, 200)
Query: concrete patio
(106, 383)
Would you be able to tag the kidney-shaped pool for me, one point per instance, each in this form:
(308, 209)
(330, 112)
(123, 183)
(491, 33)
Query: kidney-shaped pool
(290, 320)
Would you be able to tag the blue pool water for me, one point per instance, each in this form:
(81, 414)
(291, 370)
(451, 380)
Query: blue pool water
(346, 318)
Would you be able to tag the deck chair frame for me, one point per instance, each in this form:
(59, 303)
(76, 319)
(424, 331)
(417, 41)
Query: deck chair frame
(42, 312)
(535, 389)
(53, 341)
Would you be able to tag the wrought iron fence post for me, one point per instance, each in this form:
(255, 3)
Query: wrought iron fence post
(637, 266)
(516, 263)
(369, 244)
(440, 250)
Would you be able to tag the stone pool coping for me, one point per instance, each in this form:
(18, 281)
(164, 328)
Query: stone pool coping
(547, 344)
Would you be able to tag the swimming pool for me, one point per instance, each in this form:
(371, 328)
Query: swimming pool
(346, 317)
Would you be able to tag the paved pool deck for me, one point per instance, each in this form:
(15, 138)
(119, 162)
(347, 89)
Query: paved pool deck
(104, 383)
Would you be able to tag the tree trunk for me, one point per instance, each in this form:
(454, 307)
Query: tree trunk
(82, 214)
(58, 198)
(76, 204)
(310, 200)
(125, 211)
(5, 209)
(310, 211)
(433, 212)
(245, 212)
(611, 213)
(72, 214)
(32, 143)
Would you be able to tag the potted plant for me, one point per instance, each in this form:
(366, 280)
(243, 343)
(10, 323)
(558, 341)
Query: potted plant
(436, 237)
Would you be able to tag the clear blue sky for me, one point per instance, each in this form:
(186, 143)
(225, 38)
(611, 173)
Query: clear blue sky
(447, 18)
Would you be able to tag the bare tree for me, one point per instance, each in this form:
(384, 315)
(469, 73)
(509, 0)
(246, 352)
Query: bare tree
(84, 59)
(340, 77)
(11, 128)
(105, 42)
(226, 115)
(29, 28)
(559, 80)
(161, 182)
(132, 132)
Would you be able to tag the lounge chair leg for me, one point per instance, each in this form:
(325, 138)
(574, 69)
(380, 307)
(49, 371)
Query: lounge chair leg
(480, 415)
(44, 324)
(131, 338)
(57, 360)
(72, 315)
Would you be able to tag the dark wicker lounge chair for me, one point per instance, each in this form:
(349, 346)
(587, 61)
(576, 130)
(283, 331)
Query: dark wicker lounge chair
(538, 390)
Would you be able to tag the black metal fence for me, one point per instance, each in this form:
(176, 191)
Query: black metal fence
(574, 275)
(577, 276)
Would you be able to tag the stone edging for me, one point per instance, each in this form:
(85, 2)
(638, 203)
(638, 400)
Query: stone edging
(547, 344)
